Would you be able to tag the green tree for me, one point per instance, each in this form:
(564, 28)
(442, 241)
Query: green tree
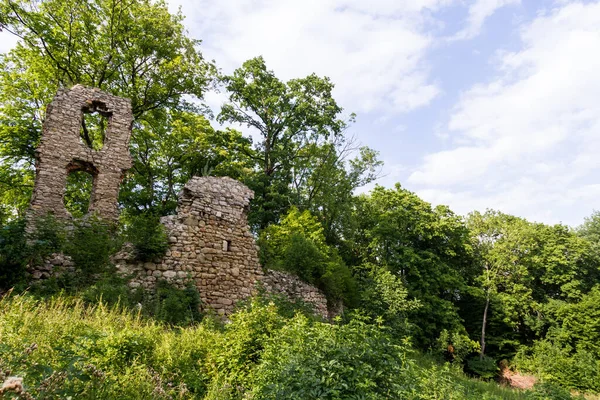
(169, 150)
(324, 183)
(295, 120)
(135, 49)
(499, 243)
(522, 267)
(426, 248)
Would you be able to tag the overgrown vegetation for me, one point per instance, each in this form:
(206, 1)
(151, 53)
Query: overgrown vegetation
(297, 244)
(470, 292)
(147, 235)
(62, 347)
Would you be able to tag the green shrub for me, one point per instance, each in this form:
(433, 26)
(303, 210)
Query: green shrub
(338, 283)
(455, 346)
(176, 306)
(549, 391)
(148, 236)
(298, 245)
(239, 350)
(286, 307)
(570, 368)
(301, 257)
(485, 367)
(168, 303)
(18, 249)
(384, 295)
(48, 237)
(90, 244)
(306, 360)
(13, 253)
(110, 289)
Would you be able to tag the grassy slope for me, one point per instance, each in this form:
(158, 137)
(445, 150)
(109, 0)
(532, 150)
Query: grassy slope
(62, 347)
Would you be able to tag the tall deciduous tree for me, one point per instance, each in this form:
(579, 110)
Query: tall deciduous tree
(296, 122)
(427, 248)
(523, 267)
(169, 150)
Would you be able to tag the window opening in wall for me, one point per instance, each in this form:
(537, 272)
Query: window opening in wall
(93, 124)
(226, 245)
(78, 192)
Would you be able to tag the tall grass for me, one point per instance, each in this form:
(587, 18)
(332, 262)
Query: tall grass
(64, 347)
(97, 351)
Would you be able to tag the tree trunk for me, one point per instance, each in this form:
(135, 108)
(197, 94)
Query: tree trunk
(485, 311)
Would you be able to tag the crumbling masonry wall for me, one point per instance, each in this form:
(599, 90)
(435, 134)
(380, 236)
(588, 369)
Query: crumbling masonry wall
(210, 241)
(62, 151)
(210, 244)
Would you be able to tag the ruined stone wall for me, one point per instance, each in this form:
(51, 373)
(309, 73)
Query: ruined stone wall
(210, 244)
(62, 151)
(293, 288)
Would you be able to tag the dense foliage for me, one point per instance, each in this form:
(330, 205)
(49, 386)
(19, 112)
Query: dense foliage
(478, 292)
(62, 348)
(297, 244)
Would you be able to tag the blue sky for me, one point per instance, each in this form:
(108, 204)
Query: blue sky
(475, 104)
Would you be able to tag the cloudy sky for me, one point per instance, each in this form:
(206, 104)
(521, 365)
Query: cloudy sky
(472, 103)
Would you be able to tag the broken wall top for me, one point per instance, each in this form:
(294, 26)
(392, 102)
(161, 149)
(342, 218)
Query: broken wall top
(61, 131)
(222, 197)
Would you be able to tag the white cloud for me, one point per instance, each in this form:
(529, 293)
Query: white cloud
(479, 11)
(528, 141)
(374, 52)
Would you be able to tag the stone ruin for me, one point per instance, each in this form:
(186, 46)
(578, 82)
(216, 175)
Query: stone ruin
(211, 245)
(62, 151)
(210, 242)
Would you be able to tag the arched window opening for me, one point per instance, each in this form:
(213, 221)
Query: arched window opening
(93, 124)
(78, 192)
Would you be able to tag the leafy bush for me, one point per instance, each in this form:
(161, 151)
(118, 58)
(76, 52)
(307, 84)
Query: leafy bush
(573, 369)
(549, 391)
(90, 244)
(168, 303)
(148, 236)
(301, 257)
(456, 346)
(317, 360)
(13, 253)
(298, 245)
(484, 367)
(18, 249)
(384, 295)
(110, 289)
(48, 237)
(286, 307)
(176, 306)
(239, 350)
